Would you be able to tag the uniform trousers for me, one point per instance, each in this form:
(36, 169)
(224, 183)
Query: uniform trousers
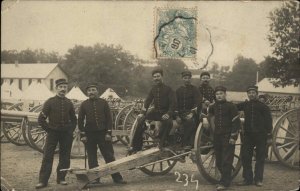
(97, 139)
(137, 141)
(251, 140)
(64, 138)
(224, 157)
(189, 131)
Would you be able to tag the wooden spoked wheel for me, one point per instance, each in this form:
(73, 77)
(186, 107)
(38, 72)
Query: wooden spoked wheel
(128, 124)
(119, 123)
(286, 140)
(205, 155)
(12, 131)
(155, 168)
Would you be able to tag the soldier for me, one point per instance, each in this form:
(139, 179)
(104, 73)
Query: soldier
(257, 133)
(188, 99)
(206, 91)
(95, 125)
(164, 102)
(227, 124)
(62, 122)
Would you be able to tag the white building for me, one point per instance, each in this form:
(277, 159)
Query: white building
(25, 74)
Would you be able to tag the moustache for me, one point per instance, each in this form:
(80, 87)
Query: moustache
(63, 91)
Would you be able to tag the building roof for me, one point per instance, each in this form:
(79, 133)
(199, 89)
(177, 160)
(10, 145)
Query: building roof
(41, 70)
(266, 86)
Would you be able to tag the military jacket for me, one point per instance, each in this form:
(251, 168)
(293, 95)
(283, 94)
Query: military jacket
(188, 98)
(207, 92)
(226, 117)
(61, 114)
(257, 116)
(96, 115)
(163, 99)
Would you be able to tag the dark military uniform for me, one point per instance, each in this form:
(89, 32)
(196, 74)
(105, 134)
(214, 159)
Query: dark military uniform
(257, 128)
(98, 122)
(62, 122)
(164, 102)
(188, 98)
(227, 124)
(207, 92)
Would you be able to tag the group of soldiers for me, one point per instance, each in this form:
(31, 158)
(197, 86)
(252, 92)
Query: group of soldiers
(187, 106)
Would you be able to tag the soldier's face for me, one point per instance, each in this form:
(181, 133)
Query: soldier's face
(220, 95)
(186, 80)
(157, 78)
(92, 92)
(205, 79)
(252, 94)
(62, 89)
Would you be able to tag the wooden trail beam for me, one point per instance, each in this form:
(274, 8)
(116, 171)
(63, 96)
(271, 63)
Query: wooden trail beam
(85, 176)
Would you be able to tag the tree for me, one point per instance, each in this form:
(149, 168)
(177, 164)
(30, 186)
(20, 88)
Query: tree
(29, 56)
(108, 65)
(172, 71)
(284, 38)
(243, 74)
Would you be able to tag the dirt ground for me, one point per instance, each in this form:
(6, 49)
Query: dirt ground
(20, 166)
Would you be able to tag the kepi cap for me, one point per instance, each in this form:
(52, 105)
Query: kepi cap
(157, 70)
(205, 74)
(186, 73)
(60, 81)
(91, 85)
(220, 88)
(255, 88)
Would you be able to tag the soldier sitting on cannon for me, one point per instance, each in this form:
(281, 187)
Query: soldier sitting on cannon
(188, 100)
(164, 102)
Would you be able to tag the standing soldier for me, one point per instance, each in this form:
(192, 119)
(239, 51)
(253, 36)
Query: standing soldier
(257, 133)
(227, 124)
(206, 91)
(188, 99)
(62, 122)
(164, 102)
(95, 125)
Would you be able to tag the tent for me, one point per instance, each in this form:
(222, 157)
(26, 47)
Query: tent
(266, 86)
(76, 93)
(110, 94)
(10, 91)
(37, 91)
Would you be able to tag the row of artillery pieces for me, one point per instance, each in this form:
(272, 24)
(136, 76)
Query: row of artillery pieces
(21, 128)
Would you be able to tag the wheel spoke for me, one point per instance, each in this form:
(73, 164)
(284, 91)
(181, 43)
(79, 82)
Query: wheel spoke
(286, 130)
(40, 139)
(285, 145)
(153, 167)
(288, 138)
(289, 153)
(207, 156)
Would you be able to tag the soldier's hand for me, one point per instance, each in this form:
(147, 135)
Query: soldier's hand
(140, 115)
(108, 137)
(189, 116)
(178, 120)
(83, 139)
(206, 102)
(232, 141)
(165, 116)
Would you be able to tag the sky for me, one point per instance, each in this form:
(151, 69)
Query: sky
(237, 28)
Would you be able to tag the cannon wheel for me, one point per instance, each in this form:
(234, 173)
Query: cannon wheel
(286, 140)
(205, 155)
(25, 134)
(119, 123)
(128, 124)
(156, 169)
(13, 132)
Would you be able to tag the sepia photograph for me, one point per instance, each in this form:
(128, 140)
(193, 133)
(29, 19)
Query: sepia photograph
(124, 95)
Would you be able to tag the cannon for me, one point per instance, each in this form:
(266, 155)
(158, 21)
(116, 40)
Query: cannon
(154, 161)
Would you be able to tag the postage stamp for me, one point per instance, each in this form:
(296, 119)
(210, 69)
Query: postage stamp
(175, 33)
